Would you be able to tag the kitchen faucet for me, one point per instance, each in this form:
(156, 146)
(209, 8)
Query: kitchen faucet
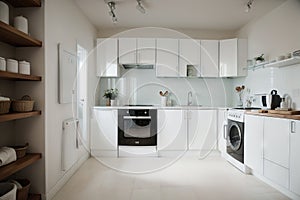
(190, 96)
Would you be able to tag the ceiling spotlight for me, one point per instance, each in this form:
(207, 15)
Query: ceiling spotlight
(112, 6)
(140, 7)
(249, 5)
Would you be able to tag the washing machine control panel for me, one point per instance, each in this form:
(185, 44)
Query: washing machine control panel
(236, 115)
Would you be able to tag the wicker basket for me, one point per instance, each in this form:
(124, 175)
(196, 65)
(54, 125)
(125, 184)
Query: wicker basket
(21, 150)
(4, 107)
(23, 105)
(22, 193)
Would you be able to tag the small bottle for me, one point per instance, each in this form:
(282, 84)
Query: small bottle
(283, 104)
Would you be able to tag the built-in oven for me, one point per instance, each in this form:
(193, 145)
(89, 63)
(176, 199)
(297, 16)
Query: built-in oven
(137, 127)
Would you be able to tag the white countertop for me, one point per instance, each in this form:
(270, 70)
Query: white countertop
(161, 107)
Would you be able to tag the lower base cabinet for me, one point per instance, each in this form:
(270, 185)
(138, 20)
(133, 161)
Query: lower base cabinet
(202, 129)
(172, 130)
(221, 135)
(104, 130)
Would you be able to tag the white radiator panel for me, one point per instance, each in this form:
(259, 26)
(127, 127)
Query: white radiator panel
(69, 144)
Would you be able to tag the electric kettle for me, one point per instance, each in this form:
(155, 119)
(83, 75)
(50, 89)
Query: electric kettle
(271, 101)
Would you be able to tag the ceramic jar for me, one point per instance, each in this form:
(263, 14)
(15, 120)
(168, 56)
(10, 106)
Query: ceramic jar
(4, 12)
(12, 66)
(24, 67)
(21, 23)
(2, 64)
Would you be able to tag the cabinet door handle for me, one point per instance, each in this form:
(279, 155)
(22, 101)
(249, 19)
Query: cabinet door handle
(293, 127)
(224, 131)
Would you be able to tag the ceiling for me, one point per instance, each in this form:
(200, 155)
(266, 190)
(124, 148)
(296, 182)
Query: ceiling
(217, 15)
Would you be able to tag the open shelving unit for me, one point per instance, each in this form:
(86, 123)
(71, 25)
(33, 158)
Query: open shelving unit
(284, 63)
(18, 77)
(17, 38)
(13, 36)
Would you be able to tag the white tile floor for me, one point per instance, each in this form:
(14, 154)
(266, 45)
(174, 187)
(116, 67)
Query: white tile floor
(187, 179)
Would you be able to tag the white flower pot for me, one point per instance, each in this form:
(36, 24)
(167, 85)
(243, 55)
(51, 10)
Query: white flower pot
(113, 102)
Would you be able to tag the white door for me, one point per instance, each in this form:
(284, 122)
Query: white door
(146, 48)
(294, 157)
(202, 129)
(172, 130)
(127, 50)
(209, 58)
(228, 57)
(189, 54)
(82, 114)
(167, 58)
(107, 57)
(253, 149)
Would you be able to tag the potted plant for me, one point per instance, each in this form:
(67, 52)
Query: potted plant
(111, 95)
(239, 90)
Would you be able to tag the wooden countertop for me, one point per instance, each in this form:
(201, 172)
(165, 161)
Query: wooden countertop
(294, 117)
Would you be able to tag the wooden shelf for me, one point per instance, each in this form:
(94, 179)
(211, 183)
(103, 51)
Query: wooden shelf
(284, 63)
(13, 36)
(34, 197)
(14, 116)
(8, 170)
(24, 3)
(18, 77)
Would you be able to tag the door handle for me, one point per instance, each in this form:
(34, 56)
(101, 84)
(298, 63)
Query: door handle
(293, 127)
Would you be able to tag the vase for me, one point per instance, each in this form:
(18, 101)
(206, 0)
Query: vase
(107, 102)
(163, 101)
(113, 102)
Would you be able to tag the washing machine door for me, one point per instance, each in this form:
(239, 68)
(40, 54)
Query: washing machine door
(234, 136)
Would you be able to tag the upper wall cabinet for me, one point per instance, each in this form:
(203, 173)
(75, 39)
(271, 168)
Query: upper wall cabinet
(233, 57)
(137, 51)
(167, 57)
(189, 51)
(209, 58)
(107, 57)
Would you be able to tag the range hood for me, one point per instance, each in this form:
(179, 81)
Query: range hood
(137, 66)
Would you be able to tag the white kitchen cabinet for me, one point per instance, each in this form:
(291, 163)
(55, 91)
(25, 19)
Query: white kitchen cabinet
(167, 58)
(253, 149)
(127, 50)
(202, 129)
(222, 125)
(294, 157)
(107, 57)
(104, 130)
(146, 48)
(189, 51)
(276, 150)
(209, 58)
(172, 130)
(137, 51)
(233, 57)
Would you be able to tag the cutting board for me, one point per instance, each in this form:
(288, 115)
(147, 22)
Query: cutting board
(284, 112)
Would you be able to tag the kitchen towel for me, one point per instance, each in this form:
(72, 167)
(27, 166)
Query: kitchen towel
(7, 155)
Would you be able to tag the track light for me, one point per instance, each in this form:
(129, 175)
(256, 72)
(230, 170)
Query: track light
(140, 7)
(112, 6)
(249, 5)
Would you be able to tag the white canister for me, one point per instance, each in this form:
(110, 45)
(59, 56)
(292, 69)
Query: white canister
(163, 101)
(21, 23)
(24, 67)
(12, 65)
(2, 64)
(4, 12)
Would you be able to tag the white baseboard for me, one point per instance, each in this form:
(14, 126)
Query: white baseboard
(64, 179)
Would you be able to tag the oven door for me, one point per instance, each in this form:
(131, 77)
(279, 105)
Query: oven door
(137, 130)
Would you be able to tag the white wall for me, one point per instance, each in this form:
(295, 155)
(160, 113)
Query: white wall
(277, 33)
(65, 24)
